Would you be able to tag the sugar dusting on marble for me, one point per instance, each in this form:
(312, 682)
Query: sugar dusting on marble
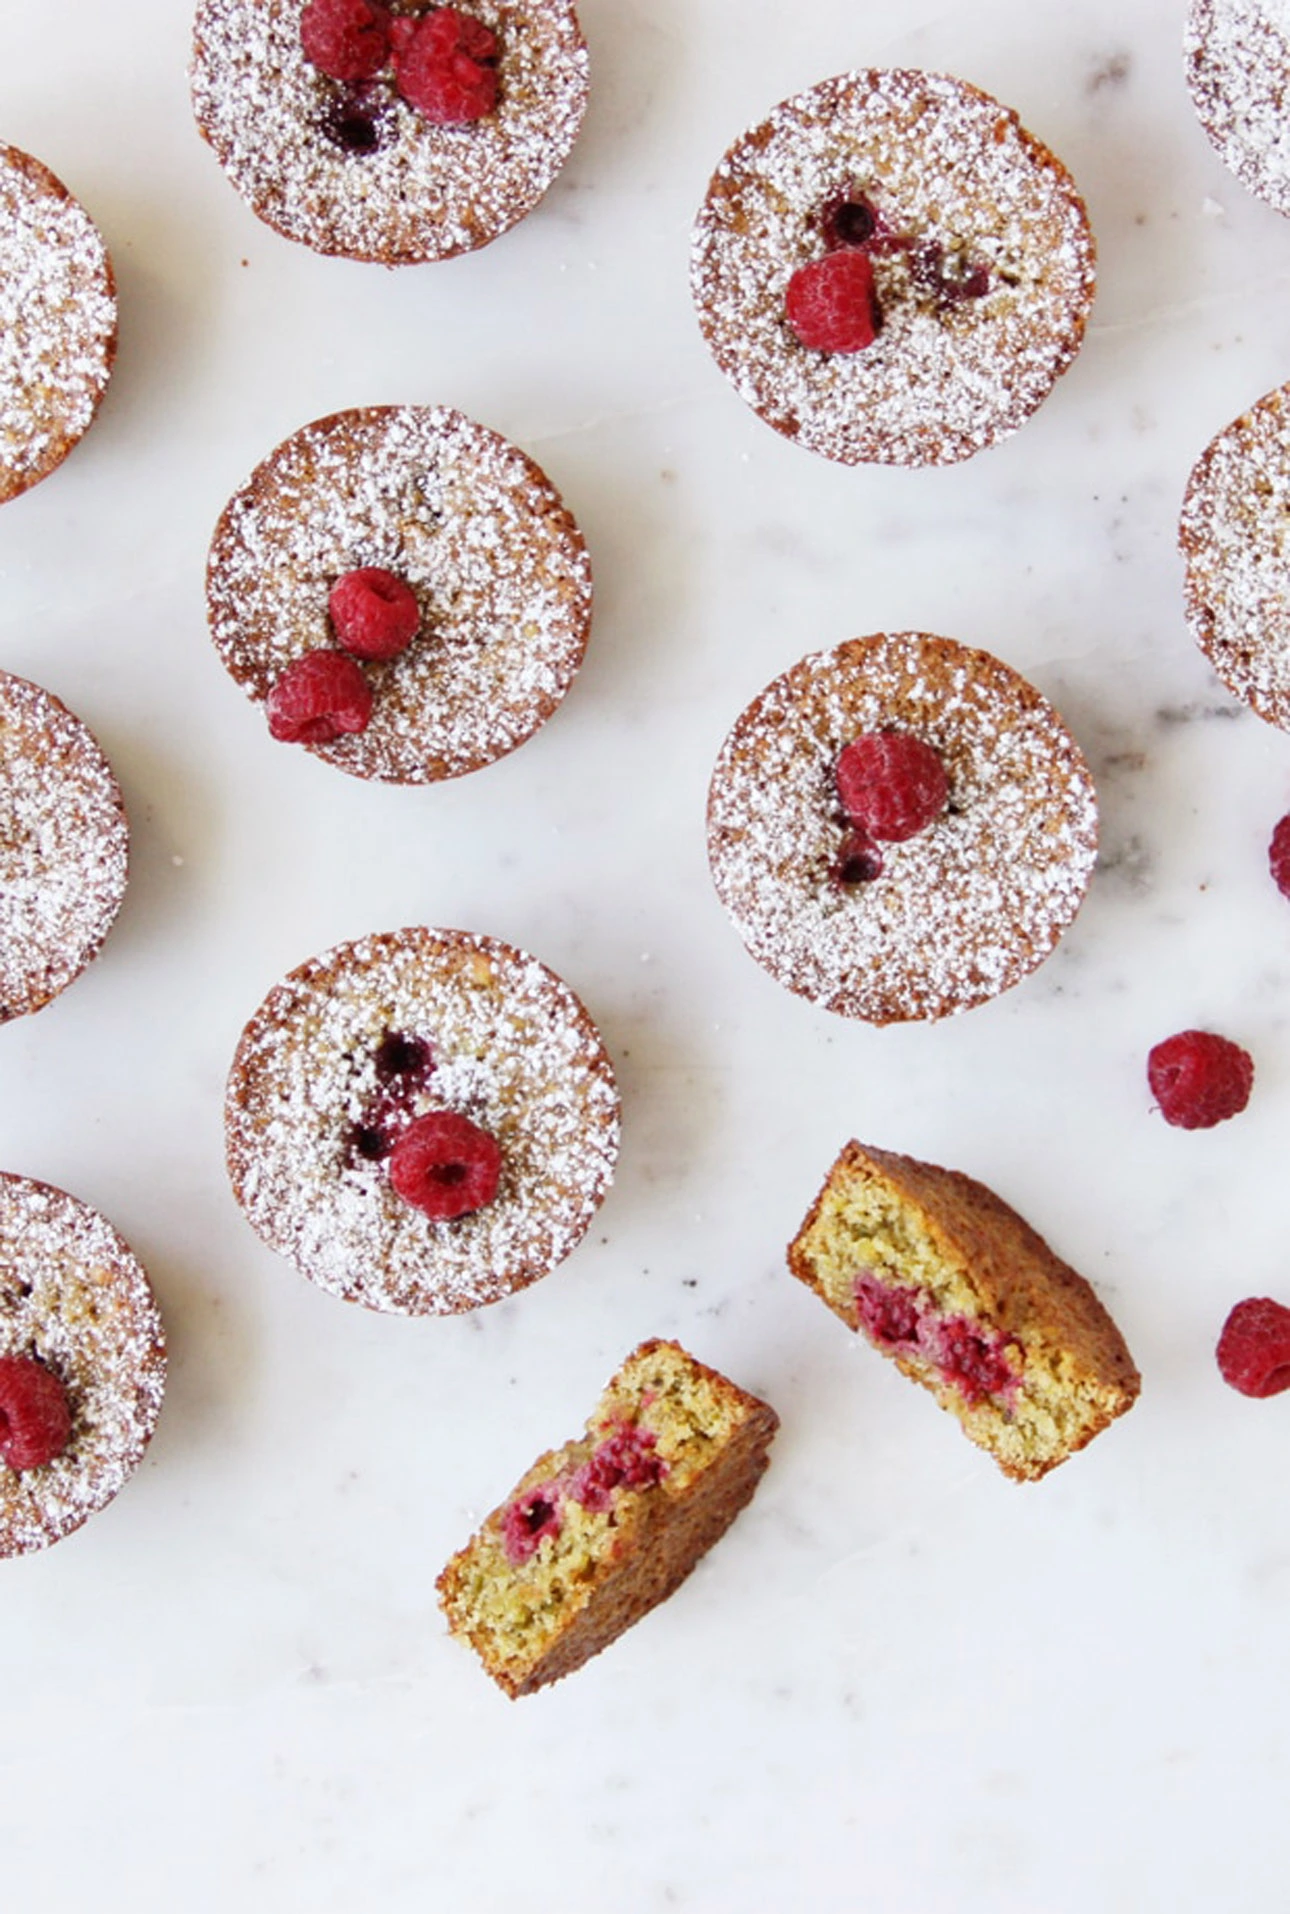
(942, 163)
(1238, 69)
(512, 1050)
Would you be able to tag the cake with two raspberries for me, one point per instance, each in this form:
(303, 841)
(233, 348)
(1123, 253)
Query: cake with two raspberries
(394, 133)
(901, 828)
(940, 1275)
(1238, 71)
(599, 1532)
(889, 268)
(403, 591)
(422, 1121)
(82, 1364)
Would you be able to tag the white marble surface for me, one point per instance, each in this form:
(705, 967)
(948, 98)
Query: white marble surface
(901, 1683)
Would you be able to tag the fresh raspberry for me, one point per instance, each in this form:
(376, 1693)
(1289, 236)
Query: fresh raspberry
(446, 1165)
(442, 66)
(891, 784)
(374, 614)
(1254, 1348)
(1279, 857)
(35, 1419)
(318, 697)
(1199, 1079)
(345, 39)
(831, 304)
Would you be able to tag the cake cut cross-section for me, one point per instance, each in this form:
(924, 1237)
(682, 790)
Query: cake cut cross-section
(943, 1277)
(604, 1529)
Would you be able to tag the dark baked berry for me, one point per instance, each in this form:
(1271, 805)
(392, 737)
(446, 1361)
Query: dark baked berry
(1254, 1348)
(345, 39)
(402, 1059)
(832, 305)
(317, 698)
(949, 284)
(891, 784)
(859, 860)
(1279, 857)
(443, 66)
(446, 1165)
(1199, 1079)
(360, 121)
(851, 220)
(374, 613)
(35, 1418)
(368, 1143)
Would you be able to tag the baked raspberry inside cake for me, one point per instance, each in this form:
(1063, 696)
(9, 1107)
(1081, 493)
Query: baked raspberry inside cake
(75, 1307)
(599, 1532)
(890, 268)
(453, 513)
(63, 847)
(1238, 71)
(915, 926)
(422, 1121)
(940, 1275)
(58, 321)
(363, 165)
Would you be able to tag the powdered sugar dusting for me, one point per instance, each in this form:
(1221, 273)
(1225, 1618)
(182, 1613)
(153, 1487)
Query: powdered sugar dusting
(1238, 69)
(57, 321)
(426, 191)
(74, 1297)
(964, 909)
(513, 1050)
(478, 531)
(1235, 536)
(945, 165)
(63, 847)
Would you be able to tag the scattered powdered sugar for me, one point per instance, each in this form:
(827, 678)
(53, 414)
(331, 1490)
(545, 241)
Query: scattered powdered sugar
(63, 847)
(74, 1297)
(512, 1049)
(945, 166)
(1235, 536)
(57, 321)
(423, 191)
(481, 535)
(962, 910)
(1238, 69)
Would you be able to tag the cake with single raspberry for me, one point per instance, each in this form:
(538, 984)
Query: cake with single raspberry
(1238, 70)
(891, 269)
(395, 133)
(403, 590)
(940, 1275)
(82, 1364)
(422, 1121)
(58, 321)
(901, 828)
(1232, 536)
(600, 1531)
(63, 847)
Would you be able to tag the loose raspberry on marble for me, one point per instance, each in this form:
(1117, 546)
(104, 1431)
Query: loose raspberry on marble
(832, 305)
(346, 39)
(446, 1166)
(318, 698)
(1199, 1079)
(443, 65)
(35, 1417)
(891, 784)
(374, 613)
(1279, 856)
(1254, 1347)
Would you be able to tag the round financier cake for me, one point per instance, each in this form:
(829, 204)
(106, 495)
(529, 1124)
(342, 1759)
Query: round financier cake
(74, 1298)
(981, 253)
(355, 1046)
(496, 561)
(58, 321)
(353, 168)
(1235, 538)
(962, 910)
(64, 846)
(1238, 70)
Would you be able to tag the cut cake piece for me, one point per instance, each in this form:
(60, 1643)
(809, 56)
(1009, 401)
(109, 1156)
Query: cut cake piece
(599, 1532)
(939, 1274)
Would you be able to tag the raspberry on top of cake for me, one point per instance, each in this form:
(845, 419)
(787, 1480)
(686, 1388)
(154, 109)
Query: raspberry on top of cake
(599, 1532)
(939, 1274)
(889, 268)
(422, 1121)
